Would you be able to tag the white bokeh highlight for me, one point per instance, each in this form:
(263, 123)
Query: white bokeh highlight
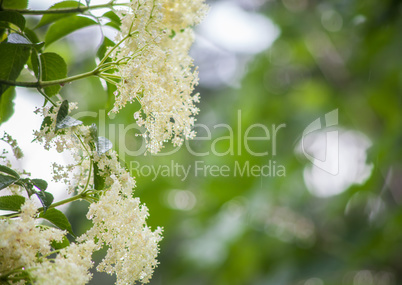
(350, 155)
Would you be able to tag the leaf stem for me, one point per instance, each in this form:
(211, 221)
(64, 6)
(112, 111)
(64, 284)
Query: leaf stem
(47, 97)
(82, 195)
(114, 47)
(95, 72)
(42, 84)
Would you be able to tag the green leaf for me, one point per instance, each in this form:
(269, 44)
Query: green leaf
(3, 33)
(68, 122)
(8, 170)
(53, 67)
(60, 245)
(47, 121)
(12, 58)
(110, 89)
(7, 104)
(50, 18)
(66, 26)
(115, 21)
(31, 35)
(6, 180)
(27, 184)
(14, 18)
(103, 145)
(173, 34)
(93, 131)
(103, 47)
(45, 198)
(39, 183)
(112, 17)
(14, 4)
(58, 219)
(33, 64)
(26, 76)
(63, 112)
(11, 202)
(63, 120)
(99, 180)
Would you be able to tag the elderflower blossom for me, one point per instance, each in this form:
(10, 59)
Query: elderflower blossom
(7, 138)
(22, 241)
(119, 223)
(159, 72)
(47, 134)
(71, 266)
(156, 71)
(76, 174)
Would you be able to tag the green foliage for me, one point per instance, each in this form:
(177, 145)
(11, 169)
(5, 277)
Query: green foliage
(47, 121)
(14, 53)
(50, 18)
(63, 120)
(14, 18)
(101, 145)
(7, 104)
(103, 47)
(58, 219)
(13, 177)
(52, 66)
(11, 202)
(252, 230)
(14, 4)
(60, 245)
(45, 198)
(40, 184)
(6, 180)
(33, 37)
(9, 171)
(66, 26)
(115, 21)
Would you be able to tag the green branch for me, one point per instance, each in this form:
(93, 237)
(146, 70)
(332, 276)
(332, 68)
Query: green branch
(79, 9)
(42, 84)
(82, 195)
(96, 72)
(86, 195)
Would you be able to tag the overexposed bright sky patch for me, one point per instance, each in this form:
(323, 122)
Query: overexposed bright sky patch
(234, 29)
(36, 159)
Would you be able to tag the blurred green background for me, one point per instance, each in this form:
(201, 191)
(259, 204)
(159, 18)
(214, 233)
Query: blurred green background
(302, 227)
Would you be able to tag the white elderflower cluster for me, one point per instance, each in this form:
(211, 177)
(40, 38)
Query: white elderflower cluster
(151, 59)
(76, 174)
(71, 266)
(47, 134)
(7, 138)
(119, 223)
(22, 242)
(158, 72)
